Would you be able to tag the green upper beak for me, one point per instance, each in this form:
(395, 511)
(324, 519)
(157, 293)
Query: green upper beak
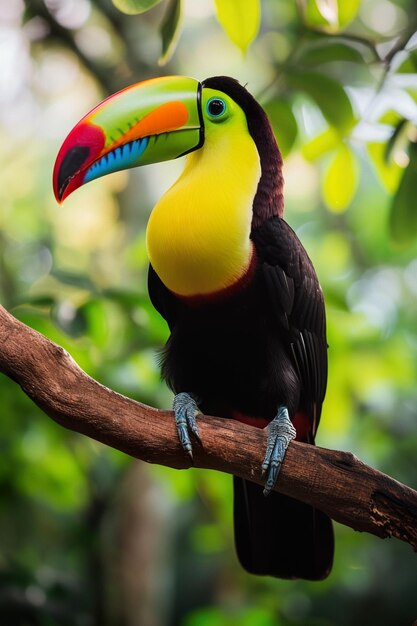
(155, 120)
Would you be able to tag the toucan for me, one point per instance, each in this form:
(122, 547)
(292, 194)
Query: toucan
(239, 293)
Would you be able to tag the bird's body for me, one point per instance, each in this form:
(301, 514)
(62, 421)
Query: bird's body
(234, 348)
(236, 352)
(244, 308)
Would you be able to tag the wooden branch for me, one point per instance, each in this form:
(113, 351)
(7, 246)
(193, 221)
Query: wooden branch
(336, 482)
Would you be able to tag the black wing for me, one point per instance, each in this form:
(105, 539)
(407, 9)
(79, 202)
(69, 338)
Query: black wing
(278, 535)
(162, 299)
(297, 301)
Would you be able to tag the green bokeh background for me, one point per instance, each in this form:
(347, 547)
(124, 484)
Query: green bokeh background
(88, 536)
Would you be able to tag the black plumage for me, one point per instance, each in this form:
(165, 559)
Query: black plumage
(253, 348)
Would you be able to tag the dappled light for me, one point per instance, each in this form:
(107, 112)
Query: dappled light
(339, 83)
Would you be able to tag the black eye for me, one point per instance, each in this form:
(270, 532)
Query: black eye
(216, 107)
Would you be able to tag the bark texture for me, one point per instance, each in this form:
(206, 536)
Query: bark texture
(336, 482)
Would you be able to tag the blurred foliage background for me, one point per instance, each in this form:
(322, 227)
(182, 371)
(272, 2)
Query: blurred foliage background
(89, 537)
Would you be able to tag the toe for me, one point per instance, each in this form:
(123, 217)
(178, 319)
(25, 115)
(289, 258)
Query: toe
(185, 410)
(280, 433)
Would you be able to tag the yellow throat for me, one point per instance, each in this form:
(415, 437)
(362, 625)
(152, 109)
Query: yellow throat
(198, 233)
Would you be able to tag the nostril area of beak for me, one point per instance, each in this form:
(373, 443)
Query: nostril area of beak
(72, 162)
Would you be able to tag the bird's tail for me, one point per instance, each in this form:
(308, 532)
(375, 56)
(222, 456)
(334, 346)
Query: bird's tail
(279, 536)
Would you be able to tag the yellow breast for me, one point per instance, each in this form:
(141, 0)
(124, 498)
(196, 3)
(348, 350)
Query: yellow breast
(198, 233)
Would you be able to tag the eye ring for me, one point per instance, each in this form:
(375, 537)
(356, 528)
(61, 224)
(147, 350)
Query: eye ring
(216, 107)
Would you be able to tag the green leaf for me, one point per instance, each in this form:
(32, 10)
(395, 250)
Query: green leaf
(329, 96)
(39, 301)
(133, 7)
(123, 297)
(94, 315)
(403, 216)
(329, 52)
(412, 91)
(320, 145)
(240, 20)
(348, 10)
(409, 66)
(283, 122)
(170, 30)
(312, 15)
(390, 118)
(330, 15)
(388, 173)
(340, 180)
(398, 141)
(329, 10)
(80, 281)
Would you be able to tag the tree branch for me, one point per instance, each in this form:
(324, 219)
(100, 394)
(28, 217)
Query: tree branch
(336, 482)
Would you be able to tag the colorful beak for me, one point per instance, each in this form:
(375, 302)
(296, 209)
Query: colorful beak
(152, 121)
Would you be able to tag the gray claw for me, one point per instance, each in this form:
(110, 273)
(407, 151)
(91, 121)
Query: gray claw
(185, 410)
(280, 434)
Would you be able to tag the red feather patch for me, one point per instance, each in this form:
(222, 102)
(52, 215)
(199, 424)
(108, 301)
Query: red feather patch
(301, 421)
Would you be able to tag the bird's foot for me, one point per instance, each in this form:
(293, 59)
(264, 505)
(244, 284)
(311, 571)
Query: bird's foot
(280, 433)
(185, 410)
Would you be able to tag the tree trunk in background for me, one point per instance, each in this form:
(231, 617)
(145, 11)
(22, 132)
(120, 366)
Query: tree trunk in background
(136, 546)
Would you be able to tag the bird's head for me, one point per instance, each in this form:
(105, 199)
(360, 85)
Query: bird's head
(158, 120)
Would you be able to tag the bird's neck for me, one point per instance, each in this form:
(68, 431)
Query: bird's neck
(198, 234)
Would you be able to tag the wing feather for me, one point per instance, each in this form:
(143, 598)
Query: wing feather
(298, 305)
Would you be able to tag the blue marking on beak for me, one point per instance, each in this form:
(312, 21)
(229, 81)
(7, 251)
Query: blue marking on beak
(121, 158)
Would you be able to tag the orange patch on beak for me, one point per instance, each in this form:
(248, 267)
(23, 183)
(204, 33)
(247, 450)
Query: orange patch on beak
(167, 117)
